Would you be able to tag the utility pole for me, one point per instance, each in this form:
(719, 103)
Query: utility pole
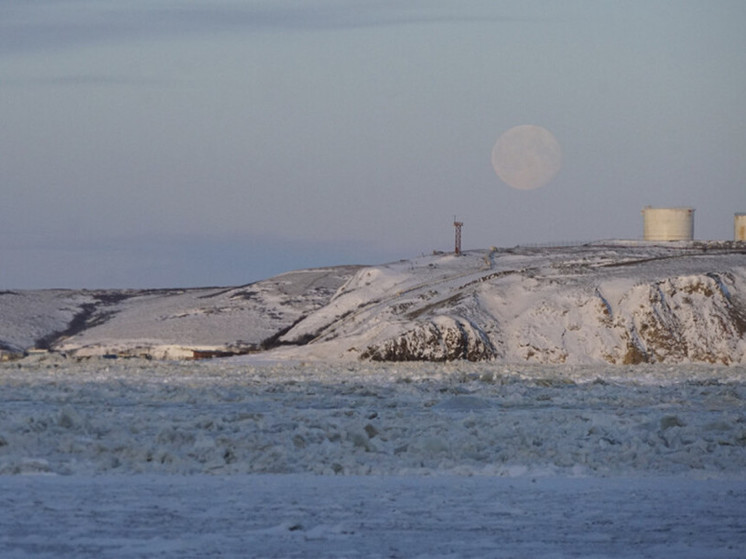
(458, 225)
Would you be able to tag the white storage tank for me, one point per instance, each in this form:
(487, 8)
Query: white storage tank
(739, 226)
(668, 224)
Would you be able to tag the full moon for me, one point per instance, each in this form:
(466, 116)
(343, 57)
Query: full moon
(527, 157)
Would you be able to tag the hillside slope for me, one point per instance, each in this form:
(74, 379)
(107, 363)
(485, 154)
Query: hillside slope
(614, 302)
(164, 323)
(617, 302)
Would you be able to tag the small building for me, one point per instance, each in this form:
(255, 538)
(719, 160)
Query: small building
(668, 224)
(739, 227)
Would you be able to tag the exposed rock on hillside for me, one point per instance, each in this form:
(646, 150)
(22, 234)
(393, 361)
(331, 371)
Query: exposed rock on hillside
(686, 318)
(442, 339)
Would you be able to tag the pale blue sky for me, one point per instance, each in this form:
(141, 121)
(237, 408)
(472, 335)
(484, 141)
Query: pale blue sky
(182, 143)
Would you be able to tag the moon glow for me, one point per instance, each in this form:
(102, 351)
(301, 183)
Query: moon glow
(527, 157)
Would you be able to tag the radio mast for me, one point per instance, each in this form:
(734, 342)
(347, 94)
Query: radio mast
(457, 225)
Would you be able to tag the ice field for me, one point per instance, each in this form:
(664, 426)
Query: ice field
(299, 515)
(137, 458)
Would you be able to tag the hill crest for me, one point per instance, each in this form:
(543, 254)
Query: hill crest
(613, 302)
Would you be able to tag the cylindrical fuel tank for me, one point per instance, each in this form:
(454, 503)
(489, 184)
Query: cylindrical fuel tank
(668, 224)
(739, 227)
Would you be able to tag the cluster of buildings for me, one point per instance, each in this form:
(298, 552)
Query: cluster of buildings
(677, 224)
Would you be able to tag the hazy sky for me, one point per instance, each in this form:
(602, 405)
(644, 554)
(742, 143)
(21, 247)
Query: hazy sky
(164, 143)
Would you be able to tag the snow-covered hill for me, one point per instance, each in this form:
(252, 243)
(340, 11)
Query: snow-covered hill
(619, 302)
(167, 323)
(613, 302)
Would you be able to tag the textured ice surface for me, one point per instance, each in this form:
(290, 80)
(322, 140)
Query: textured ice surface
(130, 416)
(460, 460)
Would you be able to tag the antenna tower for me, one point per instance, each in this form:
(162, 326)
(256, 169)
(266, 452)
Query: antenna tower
(458, 225)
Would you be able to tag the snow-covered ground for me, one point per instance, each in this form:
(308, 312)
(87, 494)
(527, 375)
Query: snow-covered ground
(609, 302)
(377, 460)
(617, 302)
(163, 323)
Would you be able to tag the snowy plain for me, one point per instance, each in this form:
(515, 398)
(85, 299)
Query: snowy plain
(243, 458)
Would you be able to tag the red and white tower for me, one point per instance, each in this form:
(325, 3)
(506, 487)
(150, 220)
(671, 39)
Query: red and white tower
(458, 225)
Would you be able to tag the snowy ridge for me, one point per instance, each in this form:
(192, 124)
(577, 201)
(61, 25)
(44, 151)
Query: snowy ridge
(614, 302)
(619, 303)
(164, 323)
